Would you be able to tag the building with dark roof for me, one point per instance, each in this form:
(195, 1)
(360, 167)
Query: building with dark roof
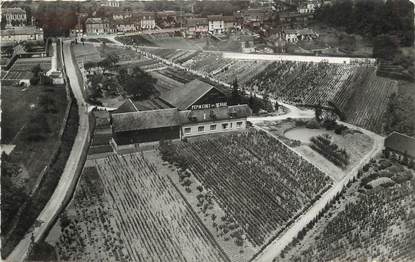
(215, 120)
(14, 17)
(197, 108)
(194, 95)
(401, 144)
(20, 34)
(145, 126)
(196, 26)
(132, 128)
(97, 26)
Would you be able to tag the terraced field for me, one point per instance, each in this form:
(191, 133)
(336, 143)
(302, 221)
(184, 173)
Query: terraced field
(368, 103)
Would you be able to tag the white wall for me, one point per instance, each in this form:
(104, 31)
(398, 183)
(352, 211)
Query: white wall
(194, 127)
(298, 58)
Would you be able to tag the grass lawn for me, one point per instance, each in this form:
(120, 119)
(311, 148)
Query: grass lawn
(19, 107)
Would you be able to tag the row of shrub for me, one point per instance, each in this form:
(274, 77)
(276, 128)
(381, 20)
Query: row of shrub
(323, 145)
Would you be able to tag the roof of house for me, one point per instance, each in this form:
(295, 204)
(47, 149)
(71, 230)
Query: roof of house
(25, 30)
(401, 143)
(94, 20)
(184, 96)
(166, 13)
(215, 17)
(143, 13)
(145, 120)
(13, 10)
(228, 18)
(196, 21)
(215, 114)
(127, 106)
(290, 14)
(304, 31)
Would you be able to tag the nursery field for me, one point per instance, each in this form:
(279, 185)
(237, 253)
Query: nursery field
(299, 133)
(374, 220)
(368, 103)
(21, 69)
(257, 180)
(125, 210)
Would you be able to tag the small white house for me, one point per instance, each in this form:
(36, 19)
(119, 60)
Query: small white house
(216, 24)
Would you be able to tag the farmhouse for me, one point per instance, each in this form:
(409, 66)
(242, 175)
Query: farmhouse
(294, 18)
(96, 26)
(146, 19)
(126, 25)
(197, 26)
(215, 120)
(295, 35)
(401, 145)
(20, 34)
(216, 24)
(198, 109)
(14, 16)
(257, 16)
(111, 3)
(121, 15)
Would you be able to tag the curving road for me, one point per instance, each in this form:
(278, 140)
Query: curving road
(66, 184)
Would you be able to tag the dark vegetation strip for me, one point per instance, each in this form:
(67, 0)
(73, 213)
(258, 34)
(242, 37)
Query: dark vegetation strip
(48, 184)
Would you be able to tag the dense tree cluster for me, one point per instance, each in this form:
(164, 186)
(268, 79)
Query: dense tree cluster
(12, 196)
(47, 13)
(371, 18)
(219, 7)
(138, 84)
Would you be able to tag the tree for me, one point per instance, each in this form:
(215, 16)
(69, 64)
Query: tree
(276, 105)
(251, 101)
(36, 70)
(385, 47)
(266, 103)
(235, 99)
(89, 65)
(139, 84)
(318, 112)
(47, 104)
(3, 22)
(12, 197)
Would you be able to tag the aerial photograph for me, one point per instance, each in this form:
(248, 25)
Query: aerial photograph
(208, 130)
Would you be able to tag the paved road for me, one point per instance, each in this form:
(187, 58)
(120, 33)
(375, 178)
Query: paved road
(55, 204)
(274, 249)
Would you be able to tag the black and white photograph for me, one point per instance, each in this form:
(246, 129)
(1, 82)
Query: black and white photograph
(207, 130)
